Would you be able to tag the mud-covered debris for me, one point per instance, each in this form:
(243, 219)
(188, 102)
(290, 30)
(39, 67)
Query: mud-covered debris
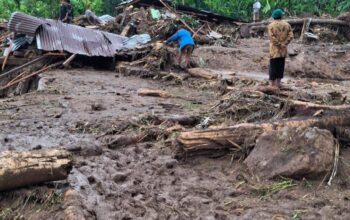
(247, 106)
(97, 107)
(119, 177)
(153, 92)
(171, 120)
(149, 134)
(170, 164)
(122, 140)
(91, 179)
(292, 152)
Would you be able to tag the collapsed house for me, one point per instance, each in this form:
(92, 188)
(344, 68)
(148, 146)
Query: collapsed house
(37, 40)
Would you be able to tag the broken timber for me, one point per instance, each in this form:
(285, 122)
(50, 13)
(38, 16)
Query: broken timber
(242, 137)
(153, 92)
(19, 169)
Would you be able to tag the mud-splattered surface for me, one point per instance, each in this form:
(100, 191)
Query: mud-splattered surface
(75, 108)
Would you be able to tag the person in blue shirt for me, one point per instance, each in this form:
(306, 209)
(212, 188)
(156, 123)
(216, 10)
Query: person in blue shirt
(186, 44)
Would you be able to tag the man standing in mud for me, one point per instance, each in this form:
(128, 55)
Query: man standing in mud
(66, 11)
(256, 11)
(280, 35)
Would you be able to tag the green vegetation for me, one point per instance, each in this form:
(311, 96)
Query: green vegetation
(50, 8)
(243, 9)
(235, 8)
(267, 190)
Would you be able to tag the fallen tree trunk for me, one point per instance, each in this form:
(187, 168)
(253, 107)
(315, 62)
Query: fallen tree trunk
(242, 137)
(19, 169)
(308, 107)
(199, 72)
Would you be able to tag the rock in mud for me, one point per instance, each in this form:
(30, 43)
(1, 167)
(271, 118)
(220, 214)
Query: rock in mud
(119, 177)
(97, 107)
(122, 140)
(294, 153)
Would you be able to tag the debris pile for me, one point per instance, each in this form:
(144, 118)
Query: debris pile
(162, 22)
(248, 106)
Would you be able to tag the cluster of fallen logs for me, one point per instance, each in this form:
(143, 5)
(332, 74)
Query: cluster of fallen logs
(305, 28)
(290, 119)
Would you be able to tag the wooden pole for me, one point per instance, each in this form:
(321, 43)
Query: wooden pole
(195, 34)
(6, 57)
(182, 21)
(69, 60)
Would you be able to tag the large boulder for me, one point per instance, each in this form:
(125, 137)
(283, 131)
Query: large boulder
(291, 152)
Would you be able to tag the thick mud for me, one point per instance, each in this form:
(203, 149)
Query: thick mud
(321, 61)
(76, 108)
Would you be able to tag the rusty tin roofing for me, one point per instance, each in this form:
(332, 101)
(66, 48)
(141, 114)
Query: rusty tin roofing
(52, 35)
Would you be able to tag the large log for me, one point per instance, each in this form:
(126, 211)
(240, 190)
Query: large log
(199, 72)
(242, 137)
(19, 169)
(308, 107)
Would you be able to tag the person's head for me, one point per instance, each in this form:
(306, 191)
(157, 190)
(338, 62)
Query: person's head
(277, 14)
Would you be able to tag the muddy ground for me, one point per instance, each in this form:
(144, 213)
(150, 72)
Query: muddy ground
(144, 181)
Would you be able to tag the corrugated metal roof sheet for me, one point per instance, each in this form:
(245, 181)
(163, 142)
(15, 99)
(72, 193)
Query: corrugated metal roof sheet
(52, 35)
(24, 24)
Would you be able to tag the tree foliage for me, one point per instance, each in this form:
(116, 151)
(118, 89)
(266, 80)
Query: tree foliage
(243, 9)
(48, 8)
(234, 8)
